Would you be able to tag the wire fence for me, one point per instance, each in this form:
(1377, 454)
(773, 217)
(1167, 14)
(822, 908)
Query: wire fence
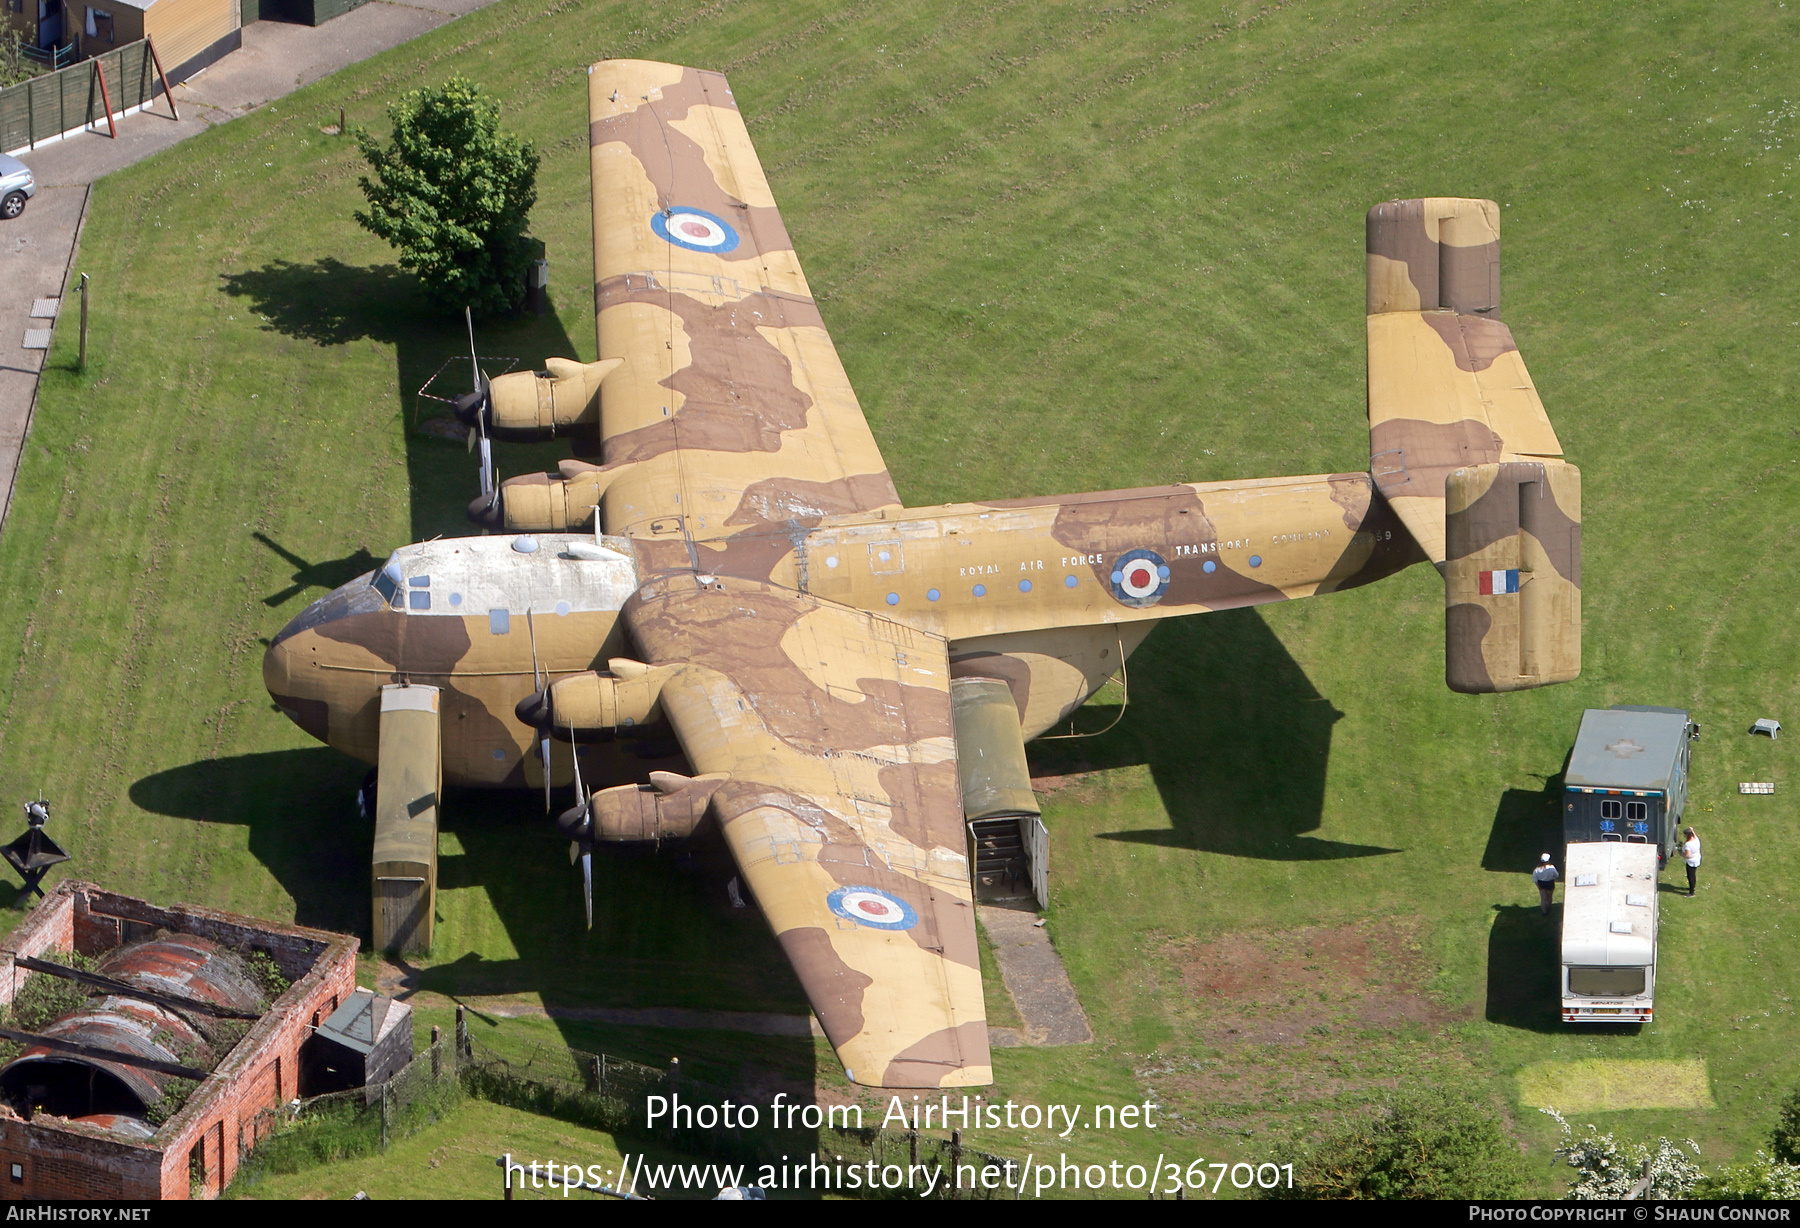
(604, 1093)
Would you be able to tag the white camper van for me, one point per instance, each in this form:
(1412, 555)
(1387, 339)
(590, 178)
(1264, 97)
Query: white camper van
(1609, 933)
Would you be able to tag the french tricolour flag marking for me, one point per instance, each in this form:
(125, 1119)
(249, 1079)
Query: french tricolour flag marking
(1497, 582)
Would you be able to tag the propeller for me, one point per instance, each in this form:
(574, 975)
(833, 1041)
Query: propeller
(577, 823)
(475, 409)
(539, 700)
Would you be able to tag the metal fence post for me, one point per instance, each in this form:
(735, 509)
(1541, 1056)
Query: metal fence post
(384, 1116)
(437, 1052)
(81, 362)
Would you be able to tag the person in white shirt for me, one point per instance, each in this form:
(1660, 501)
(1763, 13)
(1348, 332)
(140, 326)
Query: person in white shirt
(1545, 877)
(1690, 850)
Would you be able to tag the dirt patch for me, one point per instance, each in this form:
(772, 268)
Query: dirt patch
(1293, 1020)
(1077, 773)
(1294, 986)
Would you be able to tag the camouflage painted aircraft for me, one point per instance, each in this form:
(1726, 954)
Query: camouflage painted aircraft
(849, 678)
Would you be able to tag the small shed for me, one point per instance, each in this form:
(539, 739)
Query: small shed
(188, 34)
(362, 1044)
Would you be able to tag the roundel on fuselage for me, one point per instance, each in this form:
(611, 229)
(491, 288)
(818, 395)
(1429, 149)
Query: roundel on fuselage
(1139, 578)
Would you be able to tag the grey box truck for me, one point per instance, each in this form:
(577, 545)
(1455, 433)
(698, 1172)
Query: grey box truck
(1627, 779)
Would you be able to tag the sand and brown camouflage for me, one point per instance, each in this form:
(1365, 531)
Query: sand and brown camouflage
(1451, 404)
(738, 598)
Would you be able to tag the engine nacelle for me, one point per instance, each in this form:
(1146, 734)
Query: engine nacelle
(545, 502)
(538, 404)
(592, 706)
(670, 807)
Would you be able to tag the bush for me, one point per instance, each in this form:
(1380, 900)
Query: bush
(1763, 1178)
(14, 67)
(1433, 1143)
(1785, 1141)
(1608, 1169)
(452, 194)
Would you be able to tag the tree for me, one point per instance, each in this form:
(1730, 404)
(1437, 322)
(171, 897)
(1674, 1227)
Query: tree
(1761, 1178)
(1785, 1140)
(452, 193)
(1426, 1143)
(14, 67)
(1608, 1169)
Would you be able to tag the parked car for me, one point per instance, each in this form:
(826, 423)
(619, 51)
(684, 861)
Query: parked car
(16, 186)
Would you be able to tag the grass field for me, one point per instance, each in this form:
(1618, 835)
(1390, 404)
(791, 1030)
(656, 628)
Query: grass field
(1060, 247)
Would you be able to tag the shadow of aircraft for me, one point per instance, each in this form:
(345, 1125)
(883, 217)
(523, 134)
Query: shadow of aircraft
(300, 807)
(327, 575)
(1527, 824)
(1236, 738)
(665, 933)
(331, 304)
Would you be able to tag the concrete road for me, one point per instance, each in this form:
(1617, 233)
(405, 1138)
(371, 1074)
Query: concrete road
(38, 247)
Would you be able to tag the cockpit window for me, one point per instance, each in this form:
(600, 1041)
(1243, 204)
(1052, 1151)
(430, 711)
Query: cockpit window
(419, 599)
(420, 581)
(387, 584)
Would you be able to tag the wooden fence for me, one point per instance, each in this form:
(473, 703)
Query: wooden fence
(73, 98)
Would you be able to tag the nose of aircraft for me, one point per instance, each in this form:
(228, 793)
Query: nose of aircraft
(289, 686)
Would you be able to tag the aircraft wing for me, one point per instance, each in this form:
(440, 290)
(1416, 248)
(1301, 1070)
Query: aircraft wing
(842, 809)
(731, 406)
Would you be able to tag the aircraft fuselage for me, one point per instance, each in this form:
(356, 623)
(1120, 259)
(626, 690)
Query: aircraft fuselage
(1046, 594)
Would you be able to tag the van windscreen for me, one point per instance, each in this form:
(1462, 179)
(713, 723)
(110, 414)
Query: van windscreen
(1606, 982)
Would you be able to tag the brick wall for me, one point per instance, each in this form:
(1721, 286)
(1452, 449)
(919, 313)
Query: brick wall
(70, 1160)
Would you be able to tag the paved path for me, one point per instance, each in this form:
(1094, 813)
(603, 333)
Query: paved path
(37, 249)
(1035, 977)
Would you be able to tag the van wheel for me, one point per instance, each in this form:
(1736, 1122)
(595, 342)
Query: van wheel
(12, 206)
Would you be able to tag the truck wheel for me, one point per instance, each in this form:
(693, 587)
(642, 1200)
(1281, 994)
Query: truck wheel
(12, 206)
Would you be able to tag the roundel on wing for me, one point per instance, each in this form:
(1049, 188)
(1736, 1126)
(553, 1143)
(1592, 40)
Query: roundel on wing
(873, 907)
(1140, 578)
(694, 229)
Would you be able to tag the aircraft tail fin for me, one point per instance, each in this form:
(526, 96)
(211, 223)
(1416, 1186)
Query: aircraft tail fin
(1512, 579)
(1460, 446)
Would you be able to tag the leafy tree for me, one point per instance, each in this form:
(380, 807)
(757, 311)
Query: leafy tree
(1785, 1142)
(14, 67)
(452, 193)
(1761, 1178)
(1608, 1169)
(1426, 1143)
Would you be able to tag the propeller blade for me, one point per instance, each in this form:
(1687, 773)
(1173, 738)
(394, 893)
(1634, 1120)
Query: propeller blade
(544, 752)
(487, 465)
(469, 444)
(474, 363)
(587, 883)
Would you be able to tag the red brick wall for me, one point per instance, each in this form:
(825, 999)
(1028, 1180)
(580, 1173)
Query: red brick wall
(62, 1159)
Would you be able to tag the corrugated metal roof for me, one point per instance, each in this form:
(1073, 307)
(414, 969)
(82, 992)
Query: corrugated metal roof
(1617, 749)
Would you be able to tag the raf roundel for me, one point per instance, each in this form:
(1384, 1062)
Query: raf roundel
(873, 907)
(695, 229)
(1140, 578)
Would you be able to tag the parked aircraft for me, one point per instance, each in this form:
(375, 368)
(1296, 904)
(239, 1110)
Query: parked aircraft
(849, 679)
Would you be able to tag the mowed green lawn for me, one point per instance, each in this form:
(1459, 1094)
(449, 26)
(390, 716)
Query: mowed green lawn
(1060, 247)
